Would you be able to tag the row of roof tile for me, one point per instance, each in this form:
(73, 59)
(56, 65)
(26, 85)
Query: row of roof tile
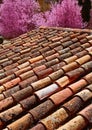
(46, 80)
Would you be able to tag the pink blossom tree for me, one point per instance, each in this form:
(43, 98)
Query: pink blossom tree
(16, 17)
(66, 13)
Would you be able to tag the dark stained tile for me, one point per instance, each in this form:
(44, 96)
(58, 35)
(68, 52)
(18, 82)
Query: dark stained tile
(41, 110)
(28, 81)
(21, 94)
(74, 105)
(29, 102)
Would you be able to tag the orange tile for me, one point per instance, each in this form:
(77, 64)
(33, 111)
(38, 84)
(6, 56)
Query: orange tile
(6, 79)
(22, 123)
(77, 86)
(70, 67)
(83, 59)
(19, 72)
(32, 60)
(61, 96)
(71, 59)
(62, 82)
(11, 83)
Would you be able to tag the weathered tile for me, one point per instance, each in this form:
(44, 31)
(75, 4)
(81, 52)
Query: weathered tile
(38, 127)
(29, 102)
(11, 113)
(22, 124)
(74, 105)
(56, 75)
(54, 120)
(21, 94)
(6, 103)
(32, 60)
(85, 95)
(87, 113)
(41, 110)
(77, 123)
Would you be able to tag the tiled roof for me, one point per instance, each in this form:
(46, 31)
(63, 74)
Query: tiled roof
(46, 80)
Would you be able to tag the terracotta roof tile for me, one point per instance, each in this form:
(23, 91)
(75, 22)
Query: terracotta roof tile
(47, 91)
(39, 127)
(22, 94)
(85, 95)
(46, 80)
(78, 123)
(23, 123)
(87, 113)
(53, 121)
(61, 96)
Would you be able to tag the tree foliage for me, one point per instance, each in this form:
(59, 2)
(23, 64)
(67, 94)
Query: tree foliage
(16, 17)
(63, 14)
